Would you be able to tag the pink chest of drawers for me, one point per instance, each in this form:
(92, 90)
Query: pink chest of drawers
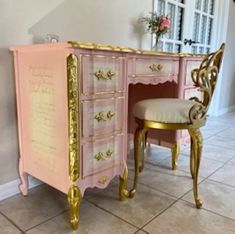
(72, 104)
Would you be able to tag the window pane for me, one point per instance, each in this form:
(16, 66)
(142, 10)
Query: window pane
(209, 31)
(180, 13)
(198, 4)
(207, 50)
(211, 7)
(203, 29)
(196, 24)
(201, 50)
(171, 15)
(161, 7)
(169, 47)
(205, 5)
(194, 49)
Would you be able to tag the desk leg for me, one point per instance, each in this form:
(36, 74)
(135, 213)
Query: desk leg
(24, 185)
(74, 200)
(123, 192)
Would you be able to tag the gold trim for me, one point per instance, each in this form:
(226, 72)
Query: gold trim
(73, 117)
(105, 47)
(103, 99)
(110, 115)
(74, 200)
(100, 117)
(101, 75)
(103, 180)
(123, 192)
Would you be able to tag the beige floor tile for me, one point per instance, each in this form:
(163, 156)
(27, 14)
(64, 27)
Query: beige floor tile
(41, 204)
(207, 166)
(144, 206)
(183, 218)
(225, 175)
(221, 142)
(175, 183)
(228, 133)
(6, 227)
(216, 197)
(214, 152)
(232, 162)
(141, 232)
(92, 220)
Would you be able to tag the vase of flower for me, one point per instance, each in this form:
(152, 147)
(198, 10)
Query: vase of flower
(158, 26)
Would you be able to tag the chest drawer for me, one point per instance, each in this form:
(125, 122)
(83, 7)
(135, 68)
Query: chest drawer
(153, 67)
(102, 74)
(189, 67)
(102, 154)
(102, 116)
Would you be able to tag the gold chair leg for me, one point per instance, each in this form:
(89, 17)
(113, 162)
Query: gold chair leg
(175, 150)
(144, 155)
(137, 153)
(123, 192)
(192, 158)
(197, 142)
(74, 200)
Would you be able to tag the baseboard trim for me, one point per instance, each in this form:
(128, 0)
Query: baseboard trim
(12, 188)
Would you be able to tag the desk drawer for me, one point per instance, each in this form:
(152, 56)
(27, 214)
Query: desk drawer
(102, 154)
(189, 67)
(102, 116)
(102, 74)
(153, 67)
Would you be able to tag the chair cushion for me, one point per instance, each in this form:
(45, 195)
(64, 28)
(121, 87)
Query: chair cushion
(166, 110)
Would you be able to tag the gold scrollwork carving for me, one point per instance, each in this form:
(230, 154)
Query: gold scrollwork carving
(73, 115)
(103, 180)
(103, 156)
(102, 117)
(101, 75)
(155, 67)
(74, 200)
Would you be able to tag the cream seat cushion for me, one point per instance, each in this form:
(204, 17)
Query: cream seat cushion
(166, 110)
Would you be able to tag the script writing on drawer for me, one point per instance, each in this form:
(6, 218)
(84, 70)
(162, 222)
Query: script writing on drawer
(101, 155)
(155, 67)
(104, 74)
(102, 116)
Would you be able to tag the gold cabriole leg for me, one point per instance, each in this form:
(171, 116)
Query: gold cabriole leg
(123, 192)
(191, 158)
(175, 150)
(138, 138)
(197, 149)
(144, 155)
(74, 200)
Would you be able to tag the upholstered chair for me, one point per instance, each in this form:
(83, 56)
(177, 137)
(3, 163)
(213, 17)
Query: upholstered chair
(173, 114)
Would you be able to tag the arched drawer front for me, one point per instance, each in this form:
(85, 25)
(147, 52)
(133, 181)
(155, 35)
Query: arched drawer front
(102, 116)
(103, 154)
(102, 74)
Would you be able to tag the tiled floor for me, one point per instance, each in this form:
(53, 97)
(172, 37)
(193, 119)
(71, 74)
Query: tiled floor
(164, 202)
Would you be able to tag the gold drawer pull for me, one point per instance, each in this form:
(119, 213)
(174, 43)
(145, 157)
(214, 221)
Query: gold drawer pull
(103, 156)
(100, 75)
(102, 117)
(110, 115)
(155, 67)
(103, 180)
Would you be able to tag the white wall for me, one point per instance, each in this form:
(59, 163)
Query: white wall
(226, 100)
(26, 21)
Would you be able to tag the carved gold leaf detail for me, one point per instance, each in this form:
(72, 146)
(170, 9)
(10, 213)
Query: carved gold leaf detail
(155, 67)
(73, 116)
(101, 75)
(104, 156)
(103, 180)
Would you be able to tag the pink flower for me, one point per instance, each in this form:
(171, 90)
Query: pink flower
(165, 24)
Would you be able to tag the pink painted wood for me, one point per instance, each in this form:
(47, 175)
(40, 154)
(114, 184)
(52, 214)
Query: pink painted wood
(41, 90)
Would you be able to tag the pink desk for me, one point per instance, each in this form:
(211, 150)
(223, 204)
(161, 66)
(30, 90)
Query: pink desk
(73, 102)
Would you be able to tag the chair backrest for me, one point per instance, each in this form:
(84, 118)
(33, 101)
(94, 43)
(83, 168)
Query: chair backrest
(205, 78)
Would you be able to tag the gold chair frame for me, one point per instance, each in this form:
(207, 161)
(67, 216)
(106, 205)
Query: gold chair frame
(204, 78)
